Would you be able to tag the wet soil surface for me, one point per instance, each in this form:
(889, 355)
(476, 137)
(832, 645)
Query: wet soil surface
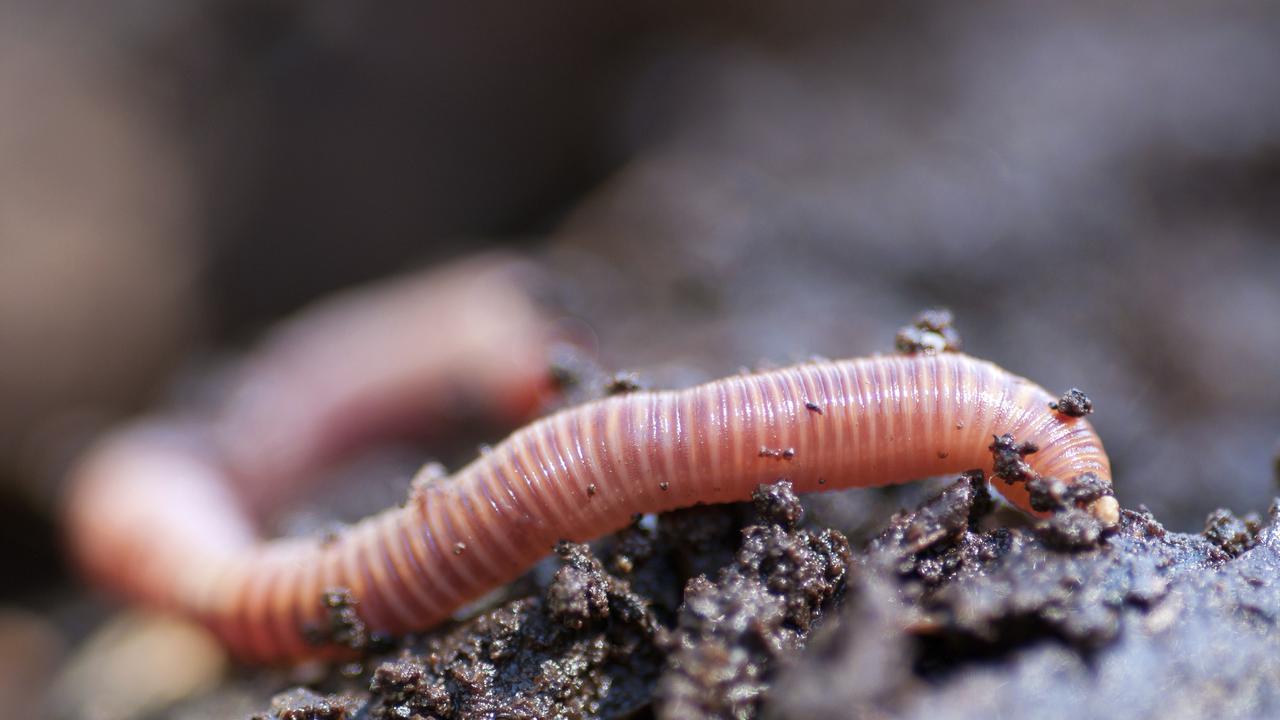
(947, 612)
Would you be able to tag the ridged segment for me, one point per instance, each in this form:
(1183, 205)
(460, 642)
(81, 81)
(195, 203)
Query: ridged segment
(587, 470)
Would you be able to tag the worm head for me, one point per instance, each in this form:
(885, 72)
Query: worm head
(1106, 510)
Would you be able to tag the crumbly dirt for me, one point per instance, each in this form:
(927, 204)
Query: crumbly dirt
(948, 612)
(1007, 623)
(609, 638)
(1010, 463)
(1073, 403)
(303, 704)
(732, 634)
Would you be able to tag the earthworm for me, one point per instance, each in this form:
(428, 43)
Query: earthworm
(175, 535)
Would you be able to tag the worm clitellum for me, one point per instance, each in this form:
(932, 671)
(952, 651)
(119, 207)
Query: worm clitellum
(576, 475)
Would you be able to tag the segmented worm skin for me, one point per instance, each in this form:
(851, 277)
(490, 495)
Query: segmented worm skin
(584, 472)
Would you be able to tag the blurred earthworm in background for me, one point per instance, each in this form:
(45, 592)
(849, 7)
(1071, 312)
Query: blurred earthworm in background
(162, 511)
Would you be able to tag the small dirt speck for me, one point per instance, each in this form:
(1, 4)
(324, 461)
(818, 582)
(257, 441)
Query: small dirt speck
(777, 503)
(1232, 534)
(931, 332)
(342, 625)
(777, 453)
(1073, 403)
(622, 383)
(1009, 455)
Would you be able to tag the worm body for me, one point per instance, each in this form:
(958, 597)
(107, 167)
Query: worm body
(577, 474)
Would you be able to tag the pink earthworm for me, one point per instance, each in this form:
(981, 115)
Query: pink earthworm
(175, 533)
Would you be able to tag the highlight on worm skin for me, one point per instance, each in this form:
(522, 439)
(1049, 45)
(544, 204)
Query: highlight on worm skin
(157, 513)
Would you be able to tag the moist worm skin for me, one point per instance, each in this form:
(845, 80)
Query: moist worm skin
(577, 475)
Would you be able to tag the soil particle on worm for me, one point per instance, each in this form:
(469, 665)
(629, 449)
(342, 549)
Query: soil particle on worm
(622, 383)
(1009, 456)
(930, 332)
(1073, 403)
(1070, 527)
(342, 625)
(1048, 494)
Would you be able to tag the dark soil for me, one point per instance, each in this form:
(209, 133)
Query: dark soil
(946, 613)
(604, 639)
(1003, 623)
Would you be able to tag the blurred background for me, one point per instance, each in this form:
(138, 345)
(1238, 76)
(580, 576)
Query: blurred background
(1093, 188)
